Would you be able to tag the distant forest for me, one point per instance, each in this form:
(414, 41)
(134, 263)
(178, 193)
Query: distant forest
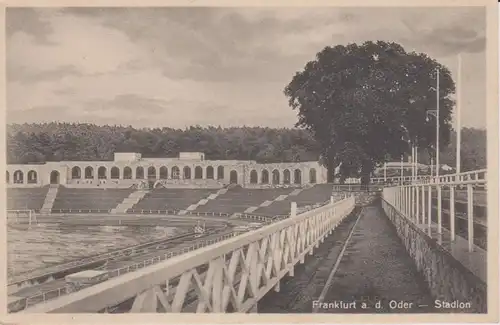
(38, 143)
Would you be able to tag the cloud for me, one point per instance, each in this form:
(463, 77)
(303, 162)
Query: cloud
(227, 66)
(22, 73)
(83, 44)
(28, 21)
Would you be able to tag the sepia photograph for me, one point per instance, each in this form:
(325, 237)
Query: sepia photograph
(265, 160)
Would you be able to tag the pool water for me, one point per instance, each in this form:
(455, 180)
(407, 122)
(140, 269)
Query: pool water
(39, 246)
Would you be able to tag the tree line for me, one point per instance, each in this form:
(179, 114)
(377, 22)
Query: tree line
(38, 143)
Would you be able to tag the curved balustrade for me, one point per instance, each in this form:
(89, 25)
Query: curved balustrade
(231, 275)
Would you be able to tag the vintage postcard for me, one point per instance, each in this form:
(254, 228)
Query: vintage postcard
(277, 162)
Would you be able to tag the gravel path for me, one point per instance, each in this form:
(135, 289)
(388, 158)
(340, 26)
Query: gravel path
(374, 267)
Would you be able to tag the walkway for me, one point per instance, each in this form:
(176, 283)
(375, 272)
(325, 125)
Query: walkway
(373, 266)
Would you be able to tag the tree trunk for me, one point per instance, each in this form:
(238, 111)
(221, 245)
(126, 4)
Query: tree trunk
(366, 170)
(331, 173)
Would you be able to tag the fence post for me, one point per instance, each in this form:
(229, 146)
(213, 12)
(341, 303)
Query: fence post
(452, 212)
(293, 209)
(429, 208)
(417, 204)
(412, 201)
(405, 210)
(470, 216)
(423, 204)
(439, 208)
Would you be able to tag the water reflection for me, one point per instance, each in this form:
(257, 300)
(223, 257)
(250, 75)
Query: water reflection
(47, 244)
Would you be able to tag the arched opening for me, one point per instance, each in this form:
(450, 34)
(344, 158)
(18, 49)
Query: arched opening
(187, 172)
(7, 176)
(264, 179)
(233, 177)
(54, 177)
(312, 176)
(32, 177)
(115, 173)
(127, 173)
(276, 176)
(176, 173)
(18, 177)
(139, 173)
(220, 172)
(297, 176)
(198, 172)
(253, 177)
(151, 172)
(76, 173)
(210, 172)
(89, 172)
(163, 172)
(286, 176)
(101, 172)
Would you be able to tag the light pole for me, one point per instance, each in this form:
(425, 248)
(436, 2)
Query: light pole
(402, 160)
(416, 161)
(459, 126)
(385, 172)
(413, 162)
(435, 113)
(407, 133)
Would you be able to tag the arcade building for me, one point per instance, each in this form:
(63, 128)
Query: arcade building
(189, 169)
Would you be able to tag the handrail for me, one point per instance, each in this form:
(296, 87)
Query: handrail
(446, 178)
(415, 201)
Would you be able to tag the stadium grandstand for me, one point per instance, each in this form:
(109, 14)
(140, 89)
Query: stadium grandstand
(187, 184)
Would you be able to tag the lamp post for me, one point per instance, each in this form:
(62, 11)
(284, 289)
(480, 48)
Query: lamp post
(459, 102)
(385, 172)
(407, 133)
(435, 113)
(412, 162)
(416, 161)
(402, 175)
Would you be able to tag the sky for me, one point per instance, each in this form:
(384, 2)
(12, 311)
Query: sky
(176, 67)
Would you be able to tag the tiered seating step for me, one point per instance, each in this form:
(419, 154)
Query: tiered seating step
(70, 200)
(162, 200)
(238, 199)
(26, 198)
(317, 194)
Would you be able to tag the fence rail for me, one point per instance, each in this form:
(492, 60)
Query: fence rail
(415, 201)
(357, 188)
(262, 256)
(475, 175)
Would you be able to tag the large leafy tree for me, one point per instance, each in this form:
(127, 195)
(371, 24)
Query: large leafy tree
(365, 103)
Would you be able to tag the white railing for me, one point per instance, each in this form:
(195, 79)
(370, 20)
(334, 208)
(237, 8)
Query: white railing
(465, 191)
(398, 179)
(479, 175)
(230, 275)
